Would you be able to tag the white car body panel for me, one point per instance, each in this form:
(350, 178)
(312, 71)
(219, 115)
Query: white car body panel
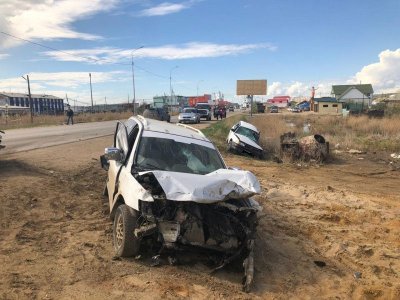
(248, 141)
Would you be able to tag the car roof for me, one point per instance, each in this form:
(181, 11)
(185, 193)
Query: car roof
(248, 125)
(170, 128)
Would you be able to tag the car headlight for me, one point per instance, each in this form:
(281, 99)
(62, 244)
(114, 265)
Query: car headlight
(242, 144)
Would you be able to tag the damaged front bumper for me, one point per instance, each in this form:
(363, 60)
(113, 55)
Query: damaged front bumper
(227, 227)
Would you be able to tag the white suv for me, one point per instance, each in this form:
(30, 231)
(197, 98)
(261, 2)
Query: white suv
(169, 184)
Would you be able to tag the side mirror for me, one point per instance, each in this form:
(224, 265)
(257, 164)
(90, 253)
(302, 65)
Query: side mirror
(113, 153)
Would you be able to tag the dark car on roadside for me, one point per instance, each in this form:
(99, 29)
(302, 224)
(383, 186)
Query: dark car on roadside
(160, 114)
(274, 109)
(231, 108)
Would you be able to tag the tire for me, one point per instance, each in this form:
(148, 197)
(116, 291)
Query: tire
(230, 147)
(125, 242)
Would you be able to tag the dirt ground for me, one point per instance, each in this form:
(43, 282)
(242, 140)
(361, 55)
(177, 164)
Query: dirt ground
(326, 232)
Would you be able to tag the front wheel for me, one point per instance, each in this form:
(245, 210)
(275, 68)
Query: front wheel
(126, 244)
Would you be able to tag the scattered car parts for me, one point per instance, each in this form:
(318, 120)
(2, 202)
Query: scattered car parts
(168, 184)
(313, 147)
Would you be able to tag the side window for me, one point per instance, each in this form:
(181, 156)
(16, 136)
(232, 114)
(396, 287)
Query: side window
(121, 138)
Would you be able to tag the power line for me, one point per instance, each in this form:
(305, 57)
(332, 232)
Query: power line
(85, 57)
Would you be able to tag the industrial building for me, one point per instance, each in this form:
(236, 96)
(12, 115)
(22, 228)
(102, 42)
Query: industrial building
(41, 104)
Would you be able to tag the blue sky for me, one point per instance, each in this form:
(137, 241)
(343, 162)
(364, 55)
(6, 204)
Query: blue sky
(205, 44)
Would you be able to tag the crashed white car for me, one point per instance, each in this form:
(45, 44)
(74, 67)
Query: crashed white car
(244, 138)
(169, 184)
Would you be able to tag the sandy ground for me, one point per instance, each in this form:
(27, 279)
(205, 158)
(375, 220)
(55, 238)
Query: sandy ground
(344, 216)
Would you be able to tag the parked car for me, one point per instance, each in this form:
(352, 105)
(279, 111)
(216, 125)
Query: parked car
(189, 115)
(168, 186)
(295, 109)
(274, 109)
(207, 107)
(244, 138)
(305, 106)
(204, 114)
(160, 114)
(231, 108)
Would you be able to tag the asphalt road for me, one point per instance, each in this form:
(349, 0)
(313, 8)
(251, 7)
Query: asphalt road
(24, 139)
(17, 140)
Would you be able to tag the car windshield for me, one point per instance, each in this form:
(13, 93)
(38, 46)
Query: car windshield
(189, 110)
(156, 153)
(254, 136)
(203, 111)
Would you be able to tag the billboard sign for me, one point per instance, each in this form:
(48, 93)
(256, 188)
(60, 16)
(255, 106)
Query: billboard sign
(251, 87)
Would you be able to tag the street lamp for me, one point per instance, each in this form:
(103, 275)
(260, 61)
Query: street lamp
(133, 81)
(30, 98)
(170, 81)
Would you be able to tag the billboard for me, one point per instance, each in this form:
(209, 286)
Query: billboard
(251, 87)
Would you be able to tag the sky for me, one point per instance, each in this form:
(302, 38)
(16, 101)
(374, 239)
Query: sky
(196, 46)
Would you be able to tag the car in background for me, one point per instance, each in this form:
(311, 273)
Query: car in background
(189, 115)
(274, 109)
(207, 107)
(169, 187)
(204, 114)
(244, 138)
(305, 106)
(154, 113)
(295, 109)
(231, 108)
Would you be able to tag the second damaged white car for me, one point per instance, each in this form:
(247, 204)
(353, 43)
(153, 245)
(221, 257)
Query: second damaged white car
(169, 184)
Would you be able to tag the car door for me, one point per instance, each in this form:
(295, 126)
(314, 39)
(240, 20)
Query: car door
(120, 142)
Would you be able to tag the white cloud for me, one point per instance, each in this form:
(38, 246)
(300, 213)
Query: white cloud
(165, 8)
(383, 75)
(167, 52)
(299, 89)
(66, 81)
(47, 19)
(3, 55)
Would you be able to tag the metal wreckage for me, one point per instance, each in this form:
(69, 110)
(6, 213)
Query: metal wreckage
(168, 187)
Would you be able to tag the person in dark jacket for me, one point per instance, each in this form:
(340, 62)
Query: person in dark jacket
(70, 115)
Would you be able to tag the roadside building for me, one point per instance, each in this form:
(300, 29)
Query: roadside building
(327, 105)
(280, 101)
(193, 100)
(173, 103)
(355, 97)
(41, 104)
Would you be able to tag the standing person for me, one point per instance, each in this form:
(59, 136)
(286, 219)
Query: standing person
(70, 115)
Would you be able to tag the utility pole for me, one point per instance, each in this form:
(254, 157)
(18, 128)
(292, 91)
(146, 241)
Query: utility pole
(105, 103)
(30, 96)
(91, 94)
(170, 82)
(133, 81)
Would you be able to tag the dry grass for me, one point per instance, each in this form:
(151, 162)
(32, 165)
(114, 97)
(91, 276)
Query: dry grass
(45, 120)
(362, 133)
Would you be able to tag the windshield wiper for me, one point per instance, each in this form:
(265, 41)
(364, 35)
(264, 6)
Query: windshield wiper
(147, 166)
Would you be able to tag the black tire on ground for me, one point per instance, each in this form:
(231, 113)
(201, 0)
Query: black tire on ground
(230, 147)
(125, 242)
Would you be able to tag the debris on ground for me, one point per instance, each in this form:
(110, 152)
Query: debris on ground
(355, 151)
(312, 147)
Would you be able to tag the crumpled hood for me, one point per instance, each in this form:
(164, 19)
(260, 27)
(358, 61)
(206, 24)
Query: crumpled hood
(248, 141)
(217, 186)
